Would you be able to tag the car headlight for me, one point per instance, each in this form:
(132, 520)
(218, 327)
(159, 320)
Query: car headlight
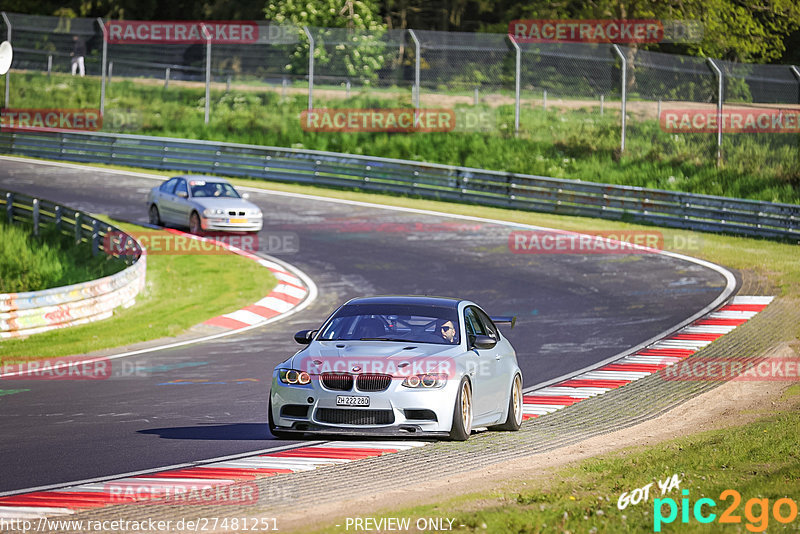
(426, 381)
(209, 212)
(294, 377)
(256, 212)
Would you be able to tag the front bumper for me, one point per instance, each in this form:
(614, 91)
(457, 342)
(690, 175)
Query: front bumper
(405, 405)
(220, 224)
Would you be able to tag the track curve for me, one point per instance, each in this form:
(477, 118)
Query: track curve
(574, 311)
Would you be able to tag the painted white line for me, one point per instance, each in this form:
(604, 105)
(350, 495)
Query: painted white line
(708, 329)
(398, 445)
(687, 344)
(581, 392)
(669, 360)
(733, 314)
(745, 299)
(31, 512)
(274, 303)
(244, 316)
(613, 375)
(292, 291)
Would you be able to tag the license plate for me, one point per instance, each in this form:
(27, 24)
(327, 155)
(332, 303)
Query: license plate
(350, 400)
(237, 220)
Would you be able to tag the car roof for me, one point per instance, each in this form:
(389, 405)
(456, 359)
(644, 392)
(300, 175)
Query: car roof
(417, 300)
(212, 179)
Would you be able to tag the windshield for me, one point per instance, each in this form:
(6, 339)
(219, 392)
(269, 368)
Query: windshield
(388, 322)
(202, 188)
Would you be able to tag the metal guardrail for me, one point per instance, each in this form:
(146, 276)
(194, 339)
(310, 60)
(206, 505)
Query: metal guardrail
(430, 180)
(27, 313)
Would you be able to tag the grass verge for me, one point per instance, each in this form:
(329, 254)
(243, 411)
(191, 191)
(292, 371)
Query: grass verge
(568, 142)
(181, 291)
(51, 259)
(759, 460)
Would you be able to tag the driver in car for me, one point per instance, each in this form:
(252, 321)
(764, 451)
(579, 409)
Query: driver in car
(448, 332)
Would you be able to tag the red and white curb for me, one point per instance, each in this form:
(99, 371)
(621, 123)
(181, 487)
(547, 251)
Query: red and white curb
(289, 292)
(186, 481)
(646, 361)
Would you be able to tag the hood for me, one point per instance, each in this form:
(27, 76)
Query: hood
(390, 357)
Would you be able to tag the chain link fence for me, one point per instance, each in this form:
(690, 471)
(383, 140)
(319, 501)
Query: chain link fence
(622, 95)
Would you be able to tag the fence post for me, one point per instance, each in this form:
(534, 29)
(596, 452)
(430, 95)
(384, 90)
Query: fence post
(207, 35)
(310, 67)
(602, 103)
(416, 67)
(110, 70)
(49, 64)
(103, 66)
(57, 211)
(544, 99)
(8, 74)
(796, 75)
(78, 230)
(624, 93)
(517, 76)
(10, 207)
(166, 78)
(347, 88)
(35, 216)
(95, 237)
(720, 86)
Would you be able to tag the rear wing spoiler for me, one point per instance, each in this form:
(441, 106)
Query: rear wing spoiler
(504, 319)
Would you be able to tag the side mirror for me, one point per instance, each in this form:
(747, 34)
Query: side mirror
(484, 342)
(182, 194)
(245, 195)
(304, 337)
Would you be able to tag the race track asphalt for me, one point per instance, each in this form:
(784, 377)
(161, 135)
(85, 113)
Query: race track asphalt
(573, 309)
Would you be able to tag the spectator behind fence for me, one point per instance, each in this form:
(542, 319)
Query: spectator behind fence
(78, 52)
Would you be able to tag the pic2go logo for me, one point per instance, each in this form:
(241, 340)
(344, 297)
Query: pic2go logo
(783, 510)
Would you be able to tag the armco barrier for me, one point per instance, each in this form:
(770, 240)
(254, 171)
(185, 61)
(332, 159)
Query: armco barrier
(23, 314)
(463, 184)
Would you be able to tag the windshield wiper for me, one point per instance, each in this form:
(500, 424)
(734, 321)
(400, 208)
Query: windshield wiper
(388, 339)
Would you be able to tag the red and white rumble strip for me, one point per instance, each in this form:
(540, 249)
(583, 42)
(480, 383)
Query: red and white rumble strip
(289, 292)
(646, 361)
(223, 482)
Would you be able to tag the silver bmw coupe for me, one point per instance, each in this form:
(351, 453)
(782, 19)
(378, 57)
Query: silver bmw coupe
(399, 365)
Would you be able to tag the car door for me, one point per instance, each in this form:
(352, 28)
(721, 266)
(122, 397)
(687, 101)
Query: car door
(502, 363)
(162, 198)
(181, 205)
(484, 399)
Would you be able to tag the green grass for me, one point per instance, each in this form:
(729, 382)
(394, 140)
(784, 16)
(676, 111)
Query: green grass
(51, 259)
(759, 460)
(577, 144)
(181, 291)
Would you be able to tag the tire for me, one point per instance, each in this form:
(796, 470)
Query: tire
(514, 418)
(462, 412)
(194, 224)
(273, 429)
(155, 216)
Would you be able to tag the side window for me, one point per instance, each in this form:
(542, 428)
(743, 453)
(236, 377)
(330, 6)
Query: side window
(169, 186)
(488, 325)
(181, 186)
(472, 323)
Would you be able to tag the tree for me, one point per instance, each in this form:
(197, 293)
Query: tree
(347, 35)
